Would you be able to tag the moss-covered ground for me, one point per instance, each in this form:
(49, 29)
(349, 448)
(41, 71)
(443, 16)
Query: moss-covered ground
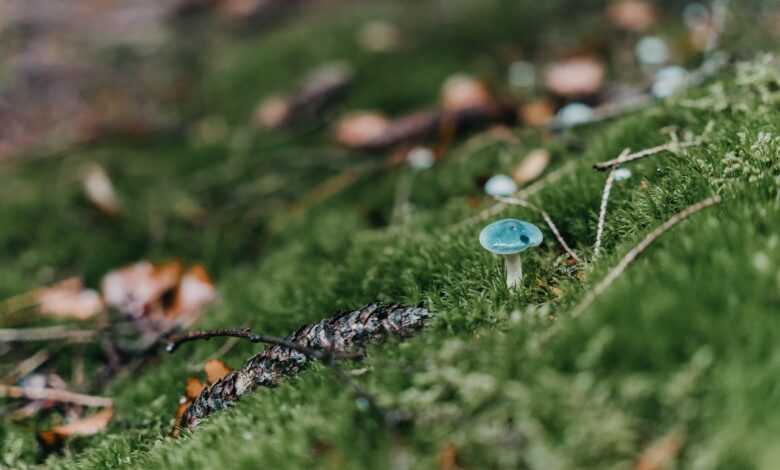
(684, 344)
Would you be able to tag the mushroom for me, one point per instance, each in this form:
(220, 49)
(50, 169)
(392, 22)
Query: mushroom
(509, 238)
(500, 186)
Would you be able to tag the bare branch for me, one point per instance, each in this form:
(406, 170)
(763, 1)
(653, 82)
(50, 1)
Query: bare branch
(622, 159)
(54, 394)
(604, 202)
(49, 333)
(26, 366)
(638, 250)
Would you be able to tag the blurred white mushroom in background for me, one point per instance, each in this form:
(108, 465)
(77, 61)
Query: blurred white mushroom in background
(574, 114)
(652, 50)
(669, 80)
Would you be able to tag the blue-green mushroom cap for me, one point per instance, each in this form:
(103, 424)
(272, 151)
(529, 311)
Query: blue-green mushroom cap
(510, 236)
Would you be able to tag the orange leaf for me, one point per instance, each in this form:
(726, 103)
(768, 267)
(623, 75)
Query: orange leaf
(215, 370)
(461, 92)
(532, 166)
(194, 387)
(69, 299)
(661, 452)
(194, 292)
(578, 76)
(135, 290)
(448, 457)
(358, 129)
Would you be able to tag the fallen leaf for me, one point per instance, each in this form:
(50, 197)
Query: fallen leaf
(532, 166)
(69, 299)
(461, 92)
(358, 129)
(537, 113)
(88, 426)
(193, 388)
(661, 452)
(448, 457)
(100, 190)
(215, 370)
(137, 289)
(195, 291)
(575, 77)
(632, 15)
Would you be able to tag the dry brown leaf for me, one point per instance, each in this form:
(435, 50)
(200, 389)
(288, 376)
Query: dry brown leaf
(69, 299)
(193, 388)
(137, 289)
(358, 129)
(448, 457)
(100, 190)
(537, 113)
(532, 166)
(661, 452)
(632, 15)
(195, 291)
(215, 370)
(88, 426)
(461, 92)
(575, 77)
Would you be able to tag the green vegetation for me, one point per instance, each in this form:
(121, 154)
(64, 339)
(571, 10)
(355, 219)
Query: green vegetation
(684, 342)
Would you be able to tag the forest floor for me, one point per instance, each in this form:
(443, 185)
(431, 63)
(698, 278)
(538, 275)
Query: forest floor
(676, 361)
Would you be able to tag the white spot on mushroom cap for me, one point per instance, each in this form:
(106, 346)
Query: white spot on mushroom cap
(420, 158)
(669, 80)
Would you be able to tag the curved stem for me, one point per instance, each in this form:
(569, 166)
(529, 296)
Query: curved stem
(514, 270)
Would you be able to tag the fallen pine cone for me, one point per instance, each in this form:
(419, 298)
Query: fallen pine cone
(343, 333)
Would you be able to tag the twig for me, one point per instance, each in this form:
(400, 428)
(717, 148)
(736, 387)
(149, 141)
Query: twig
(627, 158)
(547, 219)
(639, 249)
(28, 365)
(54, 394)
(604, 202)
(246, 333)
(11, 335)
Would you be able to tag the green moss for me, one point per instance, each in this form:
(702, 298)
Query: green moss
(685, 340)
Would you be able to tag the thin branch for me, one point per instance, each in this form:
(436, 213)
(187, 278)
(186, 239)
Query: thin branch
(547, 219)
(604, 202)
(622, 159)
(639, 249)
(52, 333)
(26, 366)
(54, 394)
(246, 333)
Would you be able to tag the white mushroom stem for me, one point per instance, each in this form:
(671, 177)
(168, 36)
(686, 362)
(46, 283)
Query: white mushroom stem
(514, 270)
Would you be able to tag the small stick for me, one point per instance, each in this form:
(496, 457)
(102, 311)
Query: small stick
(623, 158)
(639, 249)
(28, 365)
(604, 201)
(547, 219)
(11, 335)
(246, 333)
(54, 394)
